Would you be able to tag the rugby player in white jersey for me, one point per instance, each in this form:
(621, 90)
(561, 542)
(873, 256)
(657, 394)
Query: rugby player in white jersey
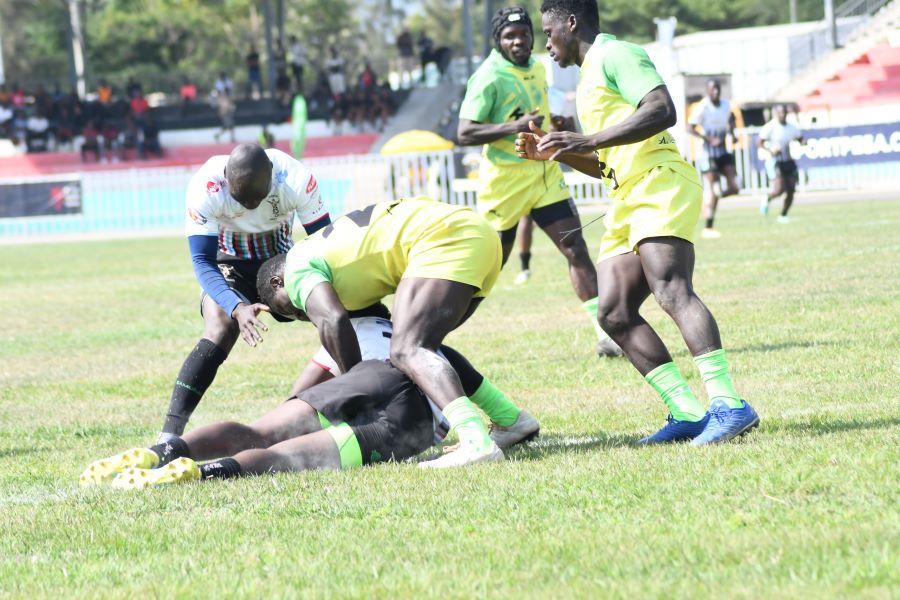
(712, 122)
(240, 212)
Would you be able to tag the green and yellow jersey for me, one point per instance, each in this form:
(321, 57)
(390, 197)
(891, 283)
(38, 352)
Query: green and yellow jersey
(615, 77)
(364, 254)
(499, 92)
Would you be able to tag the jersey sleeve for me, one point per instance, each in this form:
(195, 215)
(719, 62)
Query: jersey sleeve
(766, 132)
(303, 271)
(200, 213)
(629, 70)
(479, 101)
(696, 117)
(303, 188)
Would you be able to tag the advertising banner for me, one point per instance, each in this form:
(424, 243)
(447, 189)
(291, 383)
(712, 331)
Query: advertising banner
(835, 146)
(40, 198)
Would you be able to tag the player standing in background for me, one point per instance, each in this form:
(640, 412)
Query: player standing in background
(713, 116)
(524, 235)
(240, 212)
(775, 137)
(507, 91)
(625, 109)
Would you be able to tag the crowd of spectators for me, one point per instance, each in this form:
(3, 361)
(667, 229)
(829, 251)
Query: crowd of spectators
(117, 124)
(112, 127)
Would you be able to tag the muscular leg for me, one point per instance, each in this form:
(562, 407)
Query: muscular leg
(220, 332)
(291, 419)
(730, 174)
(525, 231)
(566, 234)
(623, 289)
(311, 451)
(507, 240)
(790, 184)
(710, 199)
(668, 264)
(425, 311)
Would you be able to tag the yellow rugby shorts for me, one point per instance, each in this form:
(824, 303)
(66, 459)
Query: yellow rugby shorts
(665, 202)
(509, 192)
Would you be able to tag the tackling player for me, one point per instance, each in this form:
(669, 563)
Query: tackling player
(713, 116)
(439, 260)
(240, 212)
(375, 414)
(508, 91)
(647, 248)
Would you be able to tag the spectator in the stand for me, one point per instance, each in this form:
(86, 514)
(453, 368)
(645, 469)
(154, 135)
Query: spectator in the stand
(426, 51)
(282, 80)
(266, 139)
(225, 110)
(149, 142)
(321, 96)
(6, 116)
(368, 78)
(382, 106)
(407, 53)
(43, 104)
(298, 61)
(104, 92)
(224, 84)
(133, 88)
(130, 139)
(139, 107)
(110, 140)
(188, 94)
(91, 143)
(37, 134)
(5, 95)
(254, 75)
(18, 96)
(279, 58)
(337, 81)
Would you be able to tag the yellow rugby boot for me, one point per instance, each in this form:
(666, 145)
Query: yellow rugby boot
(103, 470)
(180, 470)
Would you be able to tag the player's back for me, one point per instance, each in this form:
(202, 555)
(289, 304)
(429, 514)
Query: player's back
(368, 250)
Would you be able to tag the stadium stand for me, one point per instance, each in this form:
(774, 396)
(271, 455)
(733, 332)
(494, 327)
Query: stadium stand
(873, 78)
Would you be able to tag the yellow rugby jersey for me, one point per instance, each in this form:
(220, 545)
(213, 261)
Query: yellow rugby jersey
(615, 77)
(364, 254)
(499, 92)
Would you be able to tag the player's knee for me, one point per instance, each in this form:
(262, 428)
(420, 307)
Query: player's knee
(671, 295)
(402, 354)
(575, 249)
(614, 319)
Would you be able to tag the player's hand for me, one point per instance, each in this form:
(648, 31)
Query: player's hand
(714, 141)
(565, 142)
(561, 123)
(522, 122)
(245, 315)
(527, 143)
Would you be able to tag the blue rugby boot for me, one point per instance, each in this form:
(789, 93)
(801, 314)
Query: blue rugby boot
(675, 431)
(725, 423)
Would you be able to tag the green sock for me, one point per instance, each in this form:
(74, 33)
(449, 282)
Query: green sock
(714, 370)
(590, 307)
(676, 393)
(465, 420)
(495, 404)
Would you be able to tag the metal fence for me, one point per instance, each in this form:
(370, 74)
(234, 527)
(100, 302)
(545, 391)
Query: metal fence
(120, 202)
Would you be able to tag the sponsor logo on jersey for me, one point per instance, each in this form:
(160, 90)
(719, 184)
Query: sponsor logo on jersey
(311, 184)
(196, 217)
(213, 187)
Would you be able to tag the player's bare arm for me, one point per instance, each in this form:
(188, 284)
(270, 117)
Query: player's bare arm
(654, 114)
(325, 311)
(473, 133)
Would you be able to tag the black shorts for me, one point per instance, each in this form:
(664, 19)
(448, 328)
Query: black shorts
(388, 414)
(544, 217)
(786, 169)
(718, 164)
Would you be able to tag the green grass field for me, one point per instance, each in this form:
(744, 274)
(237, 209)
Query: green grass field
(92, 335)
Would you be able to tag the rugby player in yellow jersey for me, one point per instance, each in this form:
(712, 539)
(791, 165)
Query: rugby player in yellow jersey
(625, 109)
(439, 260)
(507, 91)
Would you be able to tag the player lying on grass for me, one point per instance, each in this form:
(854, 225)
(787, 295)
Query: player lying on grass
(371, 414)
(439, 260)
(240, 212)
(625, 109)
(508, 91)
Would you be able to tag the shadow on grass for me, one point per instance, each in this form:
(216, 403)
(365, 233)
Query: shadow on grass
(547, 445)
(824, 426)
(787, 345)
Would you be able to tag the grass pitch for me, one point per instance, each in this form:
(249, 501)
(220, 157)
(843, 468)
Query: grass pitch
(92, 335)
